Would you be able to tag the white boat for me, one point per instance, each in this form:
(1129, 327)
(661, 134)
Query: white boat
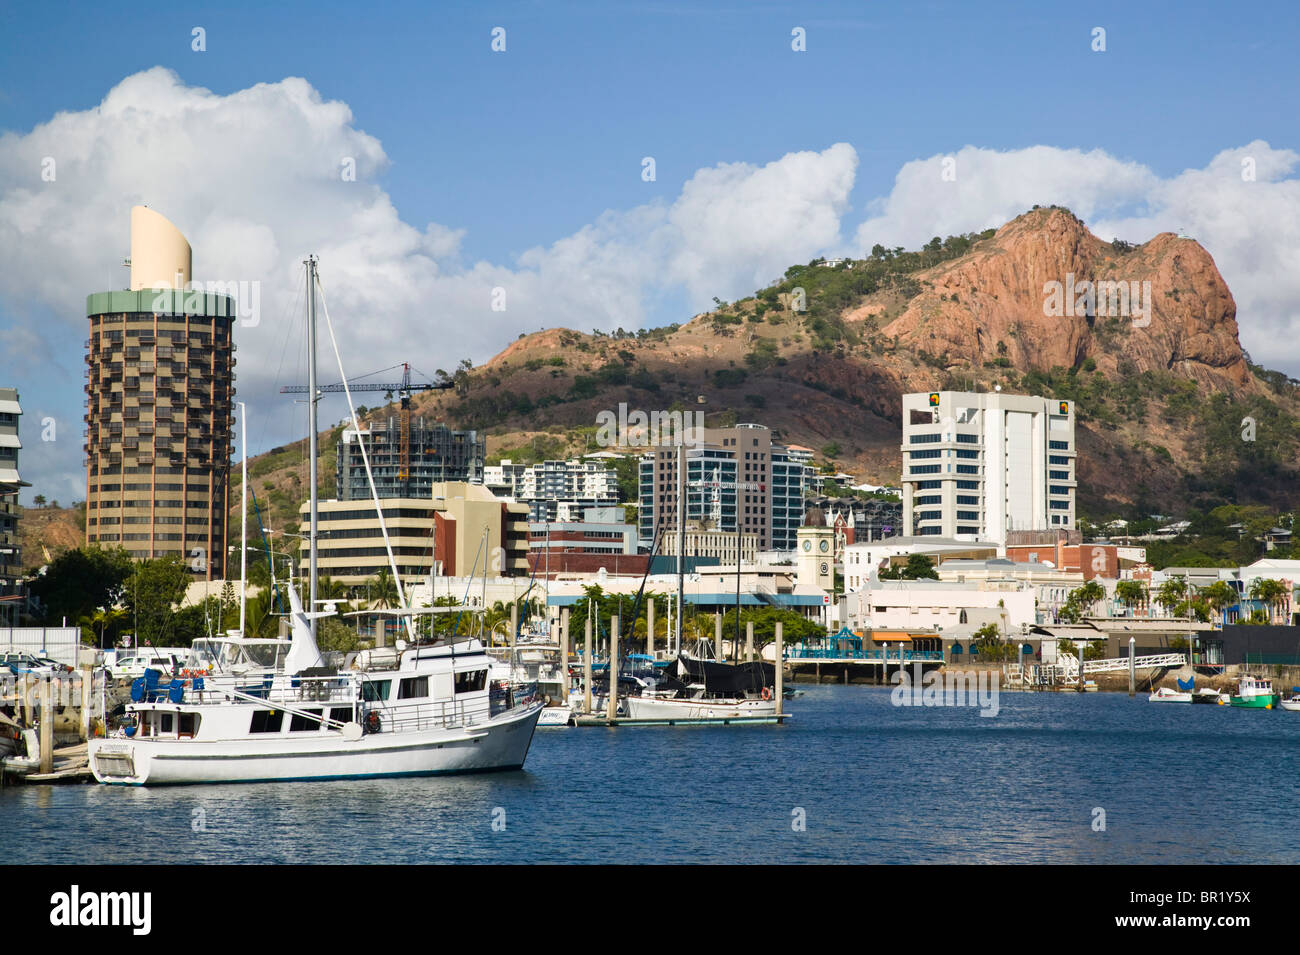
(434, 713)
(415, 711)
(660, 708)
(1167, 695)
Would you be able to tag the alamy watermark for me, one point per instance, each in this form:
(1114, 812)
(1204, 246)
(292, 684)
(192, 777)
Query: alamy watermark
(648, 429)
(246, 293)
(1106, 299)
(953, 688)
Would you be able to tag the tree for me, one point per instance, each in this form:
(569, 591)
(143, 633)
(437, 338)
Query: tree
(1172, 592)
(152, 593)
(79, 582)
(39, 500)
(919, 567)
(1272, 593)
(1219, 596)
(1131, 593)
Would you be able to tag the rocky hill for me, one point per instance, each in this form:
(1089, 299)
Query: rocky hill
(824, 355)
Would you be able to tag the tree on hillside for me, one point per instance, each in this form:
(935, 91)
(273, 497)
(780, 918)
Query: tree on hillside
(39, 500)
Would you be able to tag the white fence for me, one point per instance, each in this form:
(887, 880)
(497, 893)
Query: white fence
(57, 643)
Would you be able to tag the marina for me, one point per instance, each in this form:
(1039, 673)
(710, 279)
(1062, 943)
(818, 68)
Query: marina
(1020, 788)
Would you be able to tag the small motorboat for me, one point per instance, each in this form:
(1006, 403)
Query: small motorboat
(1207, 695)
(1291, 703)
(1254, 693)
(1166, 695)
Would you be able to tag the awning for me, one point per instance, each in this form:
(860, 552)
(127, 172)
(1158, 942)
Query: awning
(9, 476)
(9, 407)
(9, 441)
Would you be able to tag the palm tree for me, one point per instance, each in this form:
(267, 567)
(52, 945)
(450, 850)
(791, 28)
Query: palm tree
(1270, 592)
(1220, 596)
(383, 592)
(1131, 593)
(1172, 592)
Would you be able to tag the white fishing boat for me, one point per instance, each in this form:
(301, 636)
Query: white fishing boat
(1291, 703)
(662, 708)
(1167, 695)
(422, 710)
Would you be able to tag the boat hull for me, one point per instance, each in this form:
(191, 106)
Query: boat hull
(1262, 701)
(649, 708)
(556, 716)
(1292, 705)
(1168, 697)
(501, 744)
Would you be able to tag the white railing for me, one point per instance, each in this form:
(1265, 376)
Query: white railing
(1139, 663)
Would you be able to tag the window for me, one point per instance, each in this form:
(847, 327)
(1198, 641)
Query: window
(167, 723)
(923, 438)
(188, 724)
(1059, 446)
(1059, 505)
(1057, 459)
(930, 499)
(469, 681)
(968, 439)
(1058, 489)
(1059, 475)
(968, 485)
(927, 453)
(928, 485)
(373, 690)
(968, 469)
(968, 515)
(926, 468)
(967, 499)
(266, 721)
(308, 721)
(413, 687)
(965, 453)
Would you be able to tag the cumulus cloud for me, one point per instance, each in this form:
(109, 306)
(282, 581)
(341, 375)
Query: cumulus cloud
(1251, 226)
(255, 180)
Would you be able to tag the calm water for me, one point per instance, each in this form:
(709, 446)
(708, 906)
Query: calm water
(877, 783)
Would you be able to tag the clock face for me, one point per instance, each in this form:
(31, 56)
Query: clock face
(825, 568)
(807, 545)
(825, 545)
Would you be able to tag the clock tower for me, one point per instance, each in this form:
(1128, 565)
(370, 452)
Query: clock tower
(816, 550)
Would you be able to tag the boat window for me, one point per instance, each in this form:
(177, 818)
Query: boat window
(307, 721)
(412, 687)
(372, 690)
(189, 724)
(266, 721)
(468, 681)
(167, 723)
(341, 714)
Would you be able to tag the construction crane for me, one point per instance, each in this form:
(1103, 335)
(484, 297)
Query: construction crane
(403, 389)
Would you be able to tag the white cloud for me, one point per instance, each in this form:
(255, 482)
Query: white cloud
(1251, 228)
(254, 180)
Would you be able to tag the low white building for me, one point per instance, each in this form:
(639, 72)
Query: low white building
(861, 559)
(946, 606)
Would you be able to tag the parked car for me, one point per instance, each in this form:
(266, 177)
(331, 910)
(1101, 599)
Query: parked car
(20, 662)
(131, 664)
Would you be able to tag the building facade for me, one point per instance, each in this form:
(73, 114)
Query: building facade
(461, 529)
(436, 454)
(11, 557)
(547, 485)
(160, 387)
(734, 475)
(981, 465)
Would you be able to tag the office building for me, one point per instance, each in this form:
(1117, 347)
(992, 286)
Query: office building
(434, 454)
(11, 557)
(735, 473)
(158, 409)
(982, 465)
(460, 530)
(547, 485)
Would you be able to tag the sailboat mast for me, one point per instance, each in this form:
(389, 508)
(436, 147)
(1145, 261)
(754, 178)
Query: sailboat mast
(311, 428)
(243, 526)
(681, 539)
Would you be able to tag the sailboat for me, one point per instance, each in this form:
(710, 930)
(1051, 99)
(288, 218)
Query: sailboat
(430, 710)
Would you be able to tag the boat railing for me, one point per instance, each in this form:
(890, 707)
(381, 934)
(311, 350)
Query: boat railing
(443, 714)
(304, 690)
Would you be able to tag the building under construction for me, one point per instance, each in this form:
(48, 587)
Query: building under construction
(432, 454)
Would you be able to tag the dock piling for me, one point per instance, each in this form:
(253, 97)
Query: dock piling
(612, 710)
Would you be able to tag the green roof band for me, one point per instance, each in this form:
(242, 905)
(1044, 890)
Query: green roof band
(162, 302)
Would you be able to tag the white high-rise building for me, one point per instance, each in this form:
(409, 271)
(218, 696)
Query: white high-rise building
(978, 465)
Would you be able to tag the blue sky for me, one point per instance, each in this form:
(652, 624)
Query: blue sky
(523, 149)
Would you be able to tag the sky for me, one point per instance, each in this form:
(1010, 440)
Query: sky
(614, 165)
